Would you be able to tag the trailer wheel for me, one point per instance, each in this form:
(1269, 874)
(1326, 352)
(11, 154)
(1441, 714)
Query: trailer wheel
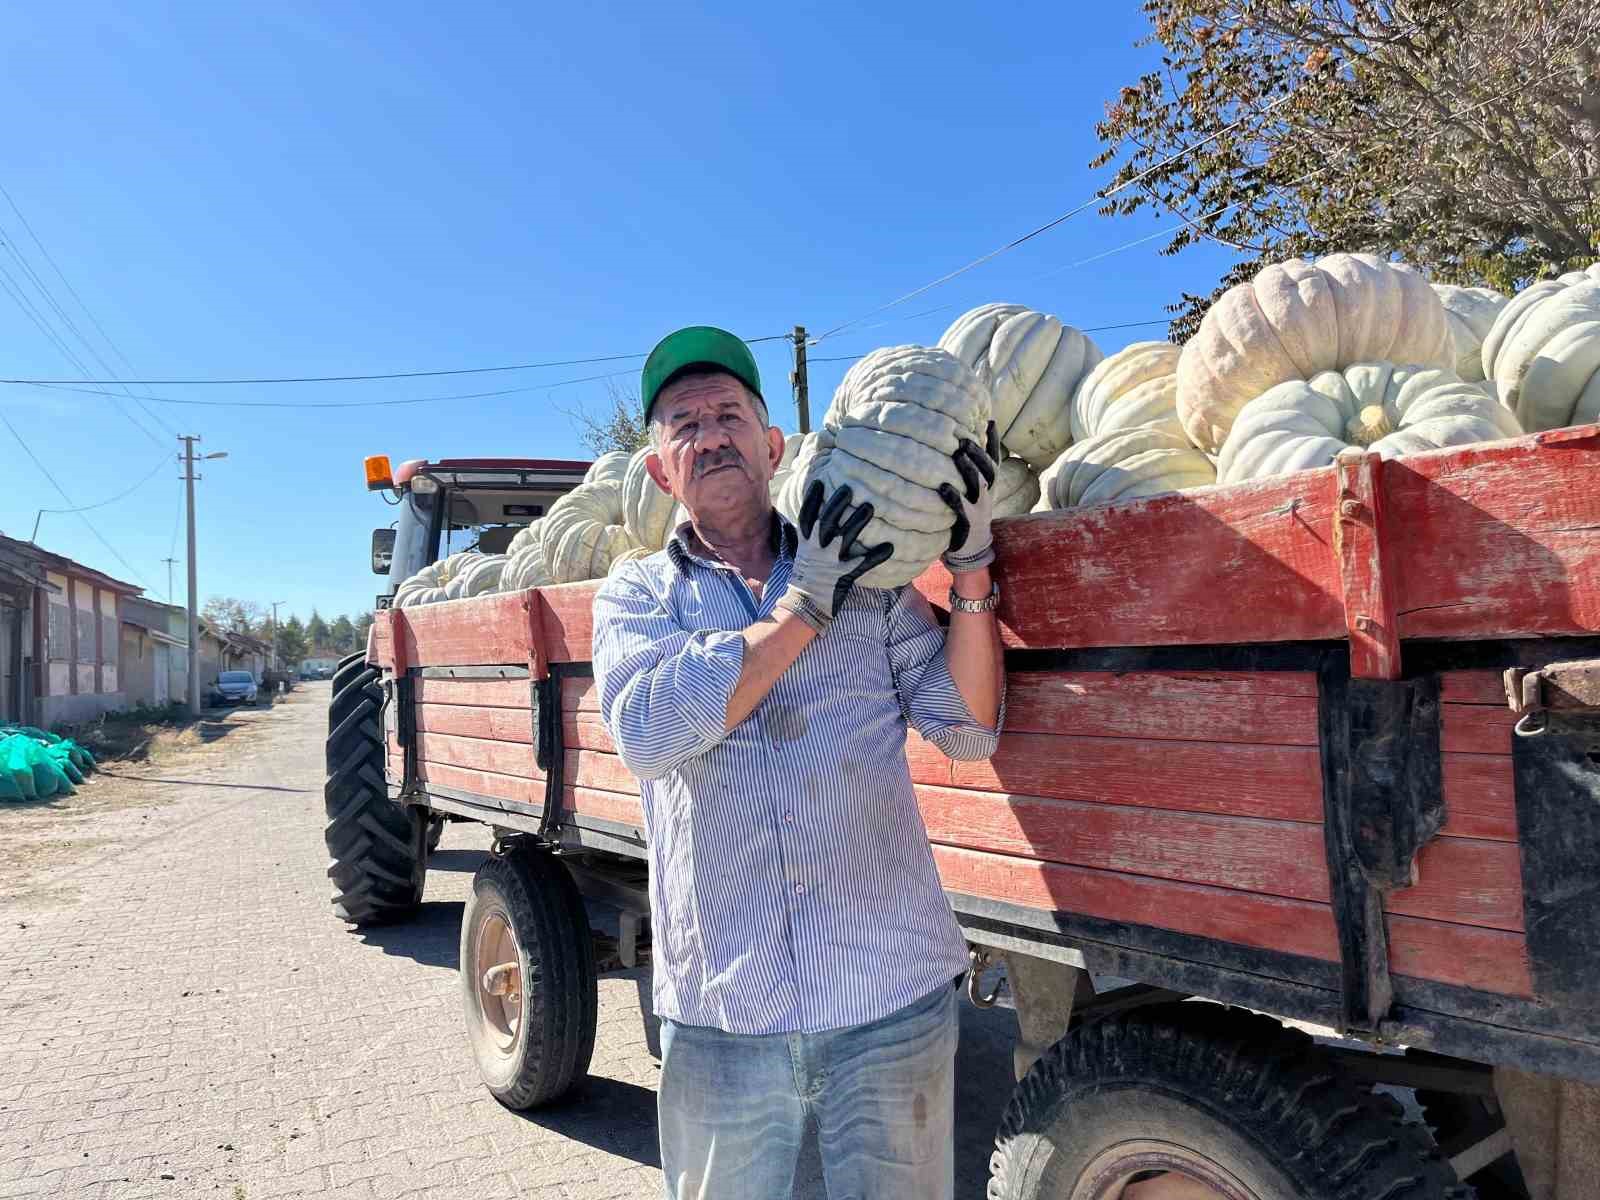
(435, 832)
(377, 859)
(1452, 1117)
(528, 978)
(1231, 1104)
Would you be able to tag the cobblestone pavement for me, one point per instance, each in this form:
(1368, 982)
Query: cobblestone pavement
(182, 1016)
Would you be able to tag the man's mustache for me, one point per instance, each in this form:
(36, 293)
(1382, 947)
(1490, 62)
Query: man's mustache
(712, 459)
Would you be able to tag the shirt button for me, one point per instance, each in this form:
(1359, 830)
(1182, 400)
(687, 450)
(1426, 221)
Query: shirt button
(788, 818)
(799, 889)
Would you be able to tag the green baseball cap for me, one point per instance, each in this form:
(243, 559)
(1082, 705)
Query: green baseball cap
(703, 347)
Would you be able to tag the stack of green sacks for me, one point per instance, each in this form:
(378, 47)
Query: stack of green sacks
(35, 765)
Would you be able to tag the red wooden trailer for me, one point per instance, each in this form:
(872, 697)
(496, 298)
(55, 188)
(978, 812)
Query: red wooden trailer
(1258, 749)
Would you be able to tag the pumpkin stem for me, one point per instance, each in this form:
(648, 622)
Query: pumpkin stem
(1368, 425)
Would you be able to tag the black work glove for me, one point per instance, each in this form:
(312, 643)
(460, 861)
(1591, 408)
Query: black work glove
(972, 538)
(828, 561)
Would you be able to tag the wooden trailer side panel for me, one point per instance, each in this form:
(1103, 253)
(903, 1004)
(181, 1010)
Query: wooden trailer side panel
(1212, 838)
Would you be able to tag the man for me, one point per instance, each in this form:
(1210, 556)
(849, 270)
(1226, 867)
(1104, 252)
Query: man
(804, 953)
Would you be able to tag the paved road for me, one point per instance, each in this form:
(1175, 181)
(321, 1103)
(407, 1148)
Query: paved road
(181, 1016)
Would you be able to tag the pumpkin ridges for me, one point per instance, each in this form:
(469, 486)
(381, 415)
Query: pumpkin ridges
(1302, 424)
(1105, 398)
(1342, 309)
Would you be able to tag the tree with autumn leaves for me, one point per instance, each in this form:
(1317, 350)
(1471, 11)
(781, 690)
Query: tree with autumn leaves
(1462, 136)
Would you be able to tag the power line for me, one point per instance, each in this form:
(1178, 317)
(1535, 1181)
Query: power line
(18, 292)
(87, 311)
(1096, 199)
(43, 470)
(531, 366)
(1081, 329)
(332, 404)
(1136, 242)
(162, 462)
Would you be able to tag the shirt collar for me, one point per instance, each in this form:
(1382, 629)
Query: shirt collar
(685, 547)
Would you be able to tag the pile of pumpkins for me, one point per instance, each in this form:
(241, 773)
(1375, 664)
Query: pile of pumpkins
(1285, 371)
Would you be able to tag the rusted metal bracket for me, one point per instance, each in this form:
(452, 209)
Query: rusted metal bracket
(1358, 547)
(1561, 685)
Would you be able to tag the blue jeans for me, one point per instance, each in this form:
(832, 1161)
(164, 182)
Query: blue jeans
(733, 1108)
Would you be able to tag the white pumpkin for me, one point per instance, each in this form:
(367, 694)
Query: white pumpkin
(583, 550)
(646, 509)
(596, 503)
(1138, 385)
(629, 555)
(1124, 464)
(790, 492)
(583, 531)
(431, 584)
(1393, 410)
(1297, 319)
(1016, 488)
(525, 559)
(612, 465)
(1543, 352)
(1031, 364)
(791, 447)
(895, 420)
(477, 577)
(1470, 312)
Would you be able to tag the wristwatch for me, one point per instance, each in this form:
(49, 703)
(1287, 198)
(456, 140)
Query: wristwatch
(988, 604)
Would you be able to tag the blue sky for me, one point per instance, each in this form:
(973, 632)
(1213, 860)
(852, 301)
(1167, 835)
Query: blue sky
(308, 189)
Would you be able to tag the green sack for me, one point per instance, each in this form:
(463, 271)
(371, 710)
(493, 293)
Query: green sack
(16, 769)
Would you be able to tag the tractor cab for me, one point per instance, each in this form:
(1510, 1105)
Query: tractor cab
(460, 504)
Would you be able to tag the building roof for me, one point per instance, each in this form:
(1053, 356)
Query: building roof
(20, 563)
(60, 562)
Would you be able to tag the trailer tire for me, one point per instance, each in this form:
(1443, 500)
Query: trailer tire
(533, 1044)
(1450, 1115)
(1226, 1097)
(377, 859)
(435, 831)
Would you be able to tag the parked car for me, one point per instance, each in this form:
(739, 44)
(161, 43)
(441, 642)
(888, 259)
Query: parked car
(235, 687)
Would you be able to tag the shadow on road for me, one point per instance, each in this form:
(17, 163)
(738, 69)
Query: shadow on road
(207, 783)
(456, 860)
(609, 1114)
(432, 937)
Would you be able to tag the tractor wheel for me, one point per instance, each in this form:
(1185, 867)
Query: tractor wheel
(375, 846)
(1198, 1101)
(528, 978)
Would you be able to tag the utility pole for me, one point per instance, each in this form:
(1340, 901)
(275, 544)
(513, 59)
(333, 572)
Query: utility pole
(275, 606)
(802, 386)
(171, 562)
(189, 477)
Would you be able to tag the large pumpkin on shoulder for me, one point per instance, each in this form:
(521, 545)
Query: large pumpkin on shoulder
(1297, 319)
(894, 422)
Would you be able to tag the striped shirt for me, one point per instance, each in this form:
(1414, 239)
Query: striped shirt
(792, 888)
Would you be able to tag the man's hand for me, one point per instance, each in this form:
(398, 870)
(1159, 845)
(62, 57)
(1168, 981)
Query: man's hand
(971, 539)
(828, 561)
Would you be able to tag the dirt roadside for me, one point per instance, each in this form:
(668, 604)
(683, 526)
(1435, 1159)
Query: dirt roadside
(40, 840)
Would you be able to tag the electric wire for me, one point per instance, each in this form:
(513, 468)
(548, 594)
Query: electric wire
(45, 471)
(529, 366)
(162, 462)
(1093, 201)
(1166, 231)
(86, 310)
